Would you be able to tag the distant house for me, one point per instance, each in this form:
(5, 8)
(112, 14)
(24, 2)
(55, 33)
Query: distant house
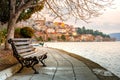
(40, 22)
(49, 24)
(61, 31)
(71, 38)
(87, 37)
(98, 38)
(50, 30)
(74, 33)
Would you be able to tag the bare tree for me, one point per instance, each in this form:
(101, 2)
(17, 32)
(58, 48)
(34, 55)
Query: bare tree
(80, 9)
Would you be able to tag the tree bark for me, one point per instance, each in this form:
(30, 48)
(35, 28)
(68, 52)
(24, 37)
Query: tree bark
(11, 23)
(10, 33)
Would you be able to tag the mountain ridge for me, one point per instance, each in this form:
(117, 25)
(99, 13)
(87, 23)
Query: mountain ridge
(115, 35)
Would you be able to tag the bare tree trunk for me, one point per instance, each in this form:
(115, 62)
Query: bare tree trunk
(14, 14)
(10, 34)
(11, 28)
(11, 23)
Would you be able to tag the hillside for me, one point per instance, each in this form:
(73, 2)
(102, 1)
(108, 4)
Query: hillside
(115, 35)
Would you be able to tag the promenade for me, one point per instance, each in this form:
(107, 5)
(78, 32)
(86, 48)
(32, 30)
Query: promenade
(59, 67)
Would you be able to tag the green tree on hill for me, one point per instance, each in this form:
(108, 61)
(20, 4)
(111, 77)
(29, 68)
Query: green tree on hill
(83, 30)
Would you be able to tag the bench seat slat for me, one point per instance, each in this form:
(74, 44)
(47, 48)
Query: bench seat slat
(23, 47)
(19, 39)
(27, 53)
(37, 54)
(23, 43)
(26, 50)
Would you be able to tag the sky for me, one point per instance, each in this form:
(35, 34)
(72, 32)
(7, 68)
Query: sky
(108, 22)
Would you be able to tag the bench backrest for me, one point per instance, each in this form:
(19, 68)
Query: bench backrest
(21, 47)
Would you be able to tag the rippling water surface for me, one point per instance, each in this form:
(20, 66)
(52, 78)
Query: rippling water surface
(107, 54)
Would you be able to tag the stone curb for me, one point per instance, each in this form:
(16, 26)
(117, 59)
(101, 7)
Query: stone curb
(8, 72)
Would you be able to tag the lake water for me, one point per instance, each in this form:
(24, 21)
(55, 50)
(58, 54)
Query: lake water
(107, 54)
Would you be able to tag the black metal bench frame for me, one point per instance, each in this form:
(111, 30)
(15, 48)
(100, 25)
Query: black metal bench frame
(28, 62)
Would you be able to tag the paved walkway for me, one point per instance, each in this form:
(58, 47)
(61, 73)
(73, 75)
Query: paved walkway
(59, 67)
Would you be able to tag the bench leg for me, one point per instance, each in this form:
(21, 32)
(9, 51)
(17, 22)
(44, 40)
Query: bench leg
(33, 64)
(43, 58)
(36, 72)
(43, 63)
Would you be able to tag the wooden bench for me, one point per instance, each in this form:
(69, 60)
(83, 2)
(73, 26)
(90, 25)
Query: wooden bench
(26, 54)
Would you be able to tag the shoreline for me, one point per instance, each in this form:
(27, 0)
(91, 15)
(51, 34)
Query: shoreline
(91, 65)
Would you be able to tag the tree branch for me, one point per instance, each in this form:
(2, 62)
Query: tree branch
(24, 6)
(80, 9)
(54, 11)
